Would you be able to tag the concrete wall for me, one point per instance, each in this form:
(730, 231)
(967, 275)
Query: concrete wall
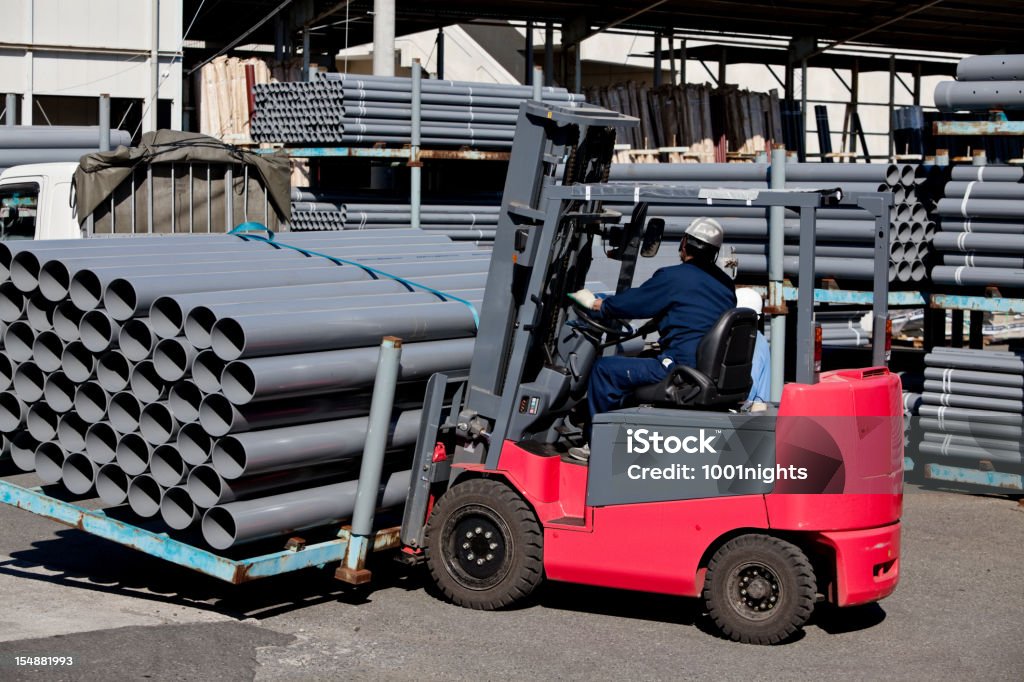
(87, 47)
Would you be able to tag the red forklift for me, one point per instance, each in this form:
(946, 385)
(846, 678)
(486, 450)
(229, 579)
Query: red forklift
(759, 514)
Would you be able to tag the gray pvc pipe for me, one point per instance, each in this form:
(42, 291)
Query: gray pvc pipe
(971, 441)
(112, 484)
(973, 402)
(29, 382)
(113, 371)
(145, 383)
(157, 425)
(177, 509)
(78, 473)
(124, 411)
(12, 303)
(979, 96)
(59, 392)
(194, 444)
(208, 488)
(41, 422)
(239, 522)
(964, 452)
(206, 371)
(975, 429)
(280, 376)
(974, 377)
(133, 454)
(172, 359)
(22, 157)
(92, 401)
(71, 432)
(39, 313)
(986, 243)
(78, 362)
(980, 208)
(280, 449)
(168, 313)
(56, 137)
(6, 373)
(824, 267)
(125, 298)
(18, 340)
(47, 351)
(144, 495)
(23, 451)
(101, 443)
(49, 462)
(97, 331)
(13, 412)
(184, 399)
(979, 276)
(167, 467)
(987, 173)
(136, 339)
(219, 417)
(973, 260)
(994, 67)
(275, 334)
(66, 318)
(985, 190)
(712, 172)
(967, 389)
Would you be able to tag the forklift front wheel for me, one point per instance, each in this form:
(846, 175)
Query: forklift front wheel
(484, 545)
(759, 589)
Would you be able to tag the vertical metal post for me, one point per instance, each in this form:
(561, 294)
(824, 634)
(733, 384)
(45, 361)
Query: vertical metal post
(657, 60)
(805, 299)
(528, 57)
(415, 166)
(440, 53)
(104, 115)
(682, 63)
(956, 335)
(854, 101)
(549, 54)
(305, 53)
(672, 57)
(11, 117)
(538, 78)
(578, 70)
(723, 64)
(776, 274)
(880, 297)
(383, 37)
(154, 64)
(229, 198)
(917, 84)
(382, 403)
(892, 105)
(975, 337)
(149, 197)
(803, 110)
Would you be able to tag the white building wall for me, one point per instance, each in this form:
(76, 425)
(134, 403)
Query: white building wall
(88, 47)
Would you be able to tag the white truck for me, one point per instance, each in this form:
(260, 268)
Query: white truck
(35, 202)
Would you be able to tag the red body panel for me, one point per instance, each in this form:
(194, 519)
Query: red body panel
(658, 547)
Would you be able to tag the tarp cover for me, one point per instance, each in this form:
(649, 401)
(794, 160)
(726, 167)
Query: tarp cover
(99, 174)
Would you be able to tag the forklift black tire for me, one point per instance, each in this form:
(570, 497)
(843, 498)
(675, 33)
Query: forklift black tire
(484, 545)
(759, 589)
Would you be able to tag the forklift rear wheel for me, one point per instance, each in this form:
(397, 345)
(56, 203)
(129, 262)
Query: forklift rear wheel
(484, 545)
(759, 589)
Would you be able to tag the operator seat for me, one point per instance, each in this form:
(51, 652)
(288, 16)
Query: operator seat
(722, 376)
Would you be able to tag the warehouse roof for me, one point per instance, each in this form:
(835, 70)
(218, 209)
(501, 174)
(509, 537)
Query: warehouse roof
(969, 26)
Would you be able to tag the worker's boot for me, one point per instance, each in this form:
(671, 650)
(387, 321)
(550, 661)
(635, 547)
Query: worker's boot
(580, 454)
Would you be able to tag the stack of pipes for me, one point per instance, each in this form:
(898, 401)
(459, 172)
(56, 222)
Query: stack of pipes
(460, 222)
(981, 242)
(221, 379)
(845, 237)
(46, 144)
(971, 408)
(345, 109)
(984, 83)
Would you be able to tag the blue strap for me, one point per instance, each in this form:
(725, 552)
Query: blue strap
(243, 231)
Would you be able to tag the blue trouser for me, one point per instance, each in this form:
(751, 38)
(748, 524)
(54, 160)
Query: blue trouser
(614, 378)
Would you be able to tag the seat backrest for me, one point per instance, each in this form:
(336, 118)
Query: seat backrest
(725, 354)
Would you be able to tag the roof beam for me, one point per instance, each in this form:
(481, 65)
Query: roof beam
(882, 25)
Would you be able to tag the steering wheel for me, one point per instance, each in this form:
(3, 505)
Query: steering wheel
(613, 327)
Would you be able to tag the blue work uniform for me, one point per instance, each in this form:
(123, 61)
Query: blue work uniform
(686, 300)
(761, 372)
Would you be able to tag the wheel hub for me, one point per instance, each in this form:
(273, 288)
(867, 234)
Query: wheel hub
(756, 591)
(478, 549)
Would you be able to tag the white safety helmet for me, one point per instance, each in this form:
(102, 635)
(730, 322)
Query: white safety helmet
(749, 298)
(707, 230)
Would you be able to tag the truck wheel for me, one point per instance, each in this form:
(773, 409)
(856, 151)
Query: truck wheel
(759, 589)
(484, 545)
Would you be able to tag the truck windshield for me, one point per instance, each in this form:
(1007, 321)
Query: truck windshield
(18, 207)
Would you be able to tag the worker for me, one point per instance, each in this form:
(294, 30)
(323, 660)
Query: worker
(760, 370)
(686, 300)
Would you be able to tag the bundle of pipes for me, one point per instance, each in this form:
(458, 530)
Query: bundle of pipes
(46, 144)
(971, 407)
(845, 237)
(442, 218)
(223, 379)
(345, 109)
(981, 239)
(984, 83)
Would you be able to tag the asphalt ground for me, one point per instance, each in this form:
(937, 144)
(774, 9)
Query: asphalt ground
(958, 614)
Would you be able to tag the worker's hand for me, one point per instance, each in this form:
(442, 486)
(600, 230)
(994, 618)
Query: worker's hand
(584, 298)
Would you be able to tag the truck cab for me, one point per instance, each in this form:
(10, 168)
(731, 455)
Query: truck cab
(36, 202)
